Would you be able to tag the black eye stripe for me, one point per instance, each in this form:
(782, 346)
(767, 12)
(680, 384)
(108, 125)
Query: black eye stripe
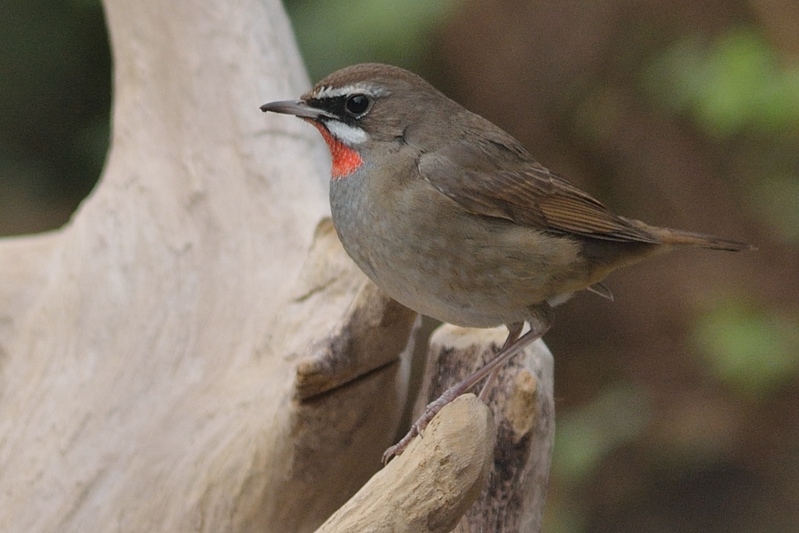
(359, 104)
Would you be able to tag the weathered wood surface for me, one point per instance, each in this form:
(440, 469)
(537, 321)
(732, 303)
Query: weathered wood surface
(193, 351)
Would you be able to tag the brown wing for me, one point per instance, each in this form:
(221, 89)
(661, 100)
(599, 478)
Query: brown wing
(495, 176)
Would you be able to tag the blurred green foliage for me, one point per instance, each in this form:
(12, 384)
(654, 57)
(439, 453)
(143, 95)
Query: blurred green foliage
(754, 351)
(736, 88)
(585, 437)
(776, 199)
(332, 35)
(734, 82)
(55, 92)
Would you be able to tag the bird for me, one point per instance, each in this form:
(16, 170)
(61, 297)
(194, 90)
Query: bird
(453, 218)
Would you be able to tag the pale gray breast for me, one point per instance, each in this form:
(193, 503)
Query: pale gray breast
(432, 256)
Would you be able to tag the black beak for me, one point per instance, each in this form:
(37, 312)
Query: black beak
(298, 108)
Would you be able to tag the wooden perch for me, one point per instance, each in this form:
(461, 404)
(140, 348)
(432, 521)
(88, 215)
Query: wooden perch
(194, 351)
(429, 487)
(460, 475)
(524, 410)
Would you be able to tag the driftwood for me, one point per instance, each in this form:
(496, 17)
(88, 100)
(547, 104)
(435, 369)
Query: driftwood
(194, 351)
(523, 403)
(431, 485)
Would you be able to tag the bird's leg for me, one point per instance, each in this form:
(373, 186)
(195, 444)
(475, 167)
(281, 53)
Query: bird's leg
(514, 331)
(537, 329)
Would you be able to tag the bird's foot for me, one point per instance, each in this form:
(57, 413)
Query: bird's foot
(419, 426)
(513, 345)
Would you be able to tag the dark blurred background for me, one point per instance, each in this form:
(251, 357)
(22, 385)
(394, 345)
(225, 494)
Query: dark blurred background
(678, 404)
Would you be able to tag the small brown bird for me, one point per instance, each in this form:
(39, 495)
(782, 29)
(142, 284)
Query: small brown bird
(453, 218)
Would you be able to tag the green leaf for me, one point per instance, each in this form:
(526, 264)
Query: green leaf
(753, 351)
(730, 84)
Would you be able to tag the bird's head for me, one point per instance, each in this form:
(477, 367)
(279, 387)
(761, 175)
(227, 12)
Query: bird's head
(365, 106)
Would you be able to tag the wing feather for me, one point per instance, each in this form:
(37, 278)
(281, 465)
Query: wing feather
(495, 176)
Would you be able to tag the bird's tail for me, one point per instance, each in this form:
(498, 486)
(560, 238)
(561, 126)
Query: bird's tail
(689, 238)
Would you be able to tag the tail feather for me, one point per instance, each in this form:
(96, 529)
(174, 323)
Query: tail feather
(688, 238)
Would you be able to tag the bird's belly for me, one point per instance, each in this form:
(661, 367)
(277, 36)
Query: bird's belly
(456, 267)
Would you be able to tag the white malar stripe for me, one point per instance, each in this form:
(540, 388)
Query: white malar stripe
(349, 135)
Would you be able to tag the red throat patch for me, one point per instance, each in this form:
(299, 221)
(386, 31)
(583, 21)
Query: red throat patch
(345, 159)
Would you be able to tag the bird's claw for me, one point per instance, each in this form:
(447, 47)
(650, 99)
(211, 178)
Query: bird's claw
(417, 428)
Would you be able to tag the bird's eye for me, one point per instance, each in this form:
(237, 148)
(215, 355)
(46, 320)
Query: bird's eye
(357, 105)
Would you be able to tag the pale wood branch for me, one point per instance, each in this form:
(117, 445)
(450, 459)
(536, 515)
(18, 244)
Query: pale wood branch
(465, 473)
(524, 409)
(194, 351)
(150, 347)
(430, 486)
